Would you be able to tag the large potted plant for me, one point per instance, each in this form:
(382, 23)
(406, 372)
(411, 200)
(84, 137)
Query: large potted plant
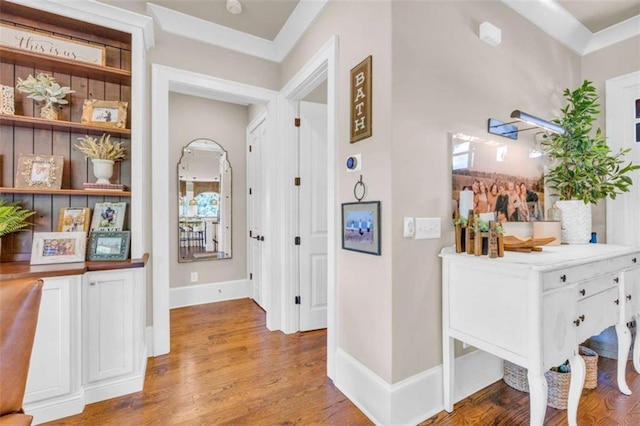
(44, 89)
(12, 218)
(103, 154)
(584, 169)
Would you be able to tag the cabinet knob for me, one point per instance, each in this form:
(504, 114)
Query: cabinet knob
(628, 297)
(583, 292)
(92, 283)
(617, 301)
(563, 278)
(577, 322)
(634, 260)
(581, 318)
(616, 280)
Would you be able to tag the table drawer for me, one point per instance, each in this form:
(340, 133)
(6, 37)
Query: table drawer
(598, 285)
(574, 274)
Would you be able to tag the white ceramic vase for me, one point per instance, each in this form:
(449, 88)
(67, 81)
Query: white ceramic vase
(576, 221)
(102, 170)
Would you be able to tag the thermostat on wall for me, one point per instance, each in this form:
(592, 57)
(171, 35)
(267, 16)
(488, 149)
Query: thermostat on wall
(354, 163)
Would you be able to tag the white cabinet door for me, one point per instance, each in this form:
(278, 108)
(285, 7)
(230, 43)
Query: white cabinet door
(559, 329)
(108, 324)
(54, 369)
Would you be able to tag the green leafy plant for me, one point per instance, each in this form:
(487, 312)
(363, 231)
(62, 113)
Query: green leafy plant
(13, 217)
(103, 149)
(584, 167)
(43, 88)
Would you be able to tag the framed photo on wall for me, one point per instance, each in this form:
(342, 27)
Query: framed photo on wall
(74, 219)
(58, 247)
(39, 171)
(361, 227)
(108, 216)
(109, 245)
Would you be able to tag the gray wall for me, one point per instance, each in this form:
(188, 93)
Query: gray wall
(192, 118)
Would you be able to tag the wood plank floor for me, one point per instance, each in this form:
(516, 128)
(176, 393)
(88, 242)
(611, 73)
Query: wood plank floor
(226, 368)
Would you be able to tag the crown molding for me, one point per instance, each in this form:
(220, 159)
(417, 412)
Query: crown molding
(552, 18)
(99, 14)
(198, 29)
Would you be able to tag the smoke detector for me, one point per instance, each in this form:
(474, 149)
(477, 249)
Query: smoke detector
(234, 7)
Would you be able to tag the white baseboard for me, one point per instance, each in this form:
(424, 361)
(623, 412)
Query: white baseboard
(416, 398)
(208, 293)
(56, 408)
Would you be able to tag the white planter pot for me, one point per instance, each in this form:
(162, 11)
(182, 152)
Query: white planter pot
(576, 221)
(102, 170)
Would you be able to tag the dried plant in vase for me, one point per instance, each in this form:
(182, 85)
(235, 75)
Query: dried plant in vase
(103, 153)
(44, 89)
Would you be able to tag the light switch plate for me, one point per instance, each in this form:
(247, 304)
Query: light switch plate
(408, 227)
(427, 227)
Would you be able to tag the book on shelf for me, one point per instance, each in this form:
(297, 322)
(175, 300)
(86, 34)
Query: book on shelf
(103, 186)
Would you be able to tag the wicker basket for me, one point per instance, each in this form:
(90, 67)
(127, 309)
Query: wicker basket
(557, 383)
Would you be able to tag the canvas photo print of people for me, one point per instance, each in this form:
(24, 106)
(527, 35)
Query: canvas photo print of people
(498, 180)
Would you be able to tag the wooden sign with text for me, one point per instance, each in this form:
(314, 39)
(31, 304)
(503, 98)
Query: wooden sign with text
(361, 106)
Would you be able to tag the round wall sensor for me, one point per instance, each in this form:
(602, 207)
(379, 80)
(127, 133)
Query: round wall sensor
(352, 163)
(234, 7)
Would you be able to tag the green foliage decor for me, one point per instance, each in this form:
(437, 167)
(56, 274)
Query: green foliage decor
(585, 168)
(43, 88)
(13, 217)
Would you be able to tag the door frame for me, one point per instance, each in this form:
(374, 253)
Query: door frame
(164, 80)
(322, 66)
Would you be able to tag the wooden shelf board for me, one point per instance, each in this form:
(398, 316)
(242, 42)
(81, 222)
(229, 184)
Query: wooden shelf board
(66, 66)
(41, 123)
(85, 192)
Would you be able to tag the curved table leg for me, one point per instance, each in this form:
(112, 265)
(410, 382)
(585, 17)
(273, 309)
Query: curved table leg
(624, 343)
(636, 348)
(537, 397)
(578, 371)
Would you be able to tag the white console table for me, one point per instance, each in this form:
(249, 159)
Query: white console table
(534, 309)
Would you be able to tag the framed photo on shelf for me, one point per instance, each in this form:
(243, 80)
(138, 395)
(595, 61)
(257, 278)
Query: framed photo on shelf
(109, 245)
(108, 216)
(361, 227)
(39, 171)
(104, 113)
(74, 219)
(58, 247)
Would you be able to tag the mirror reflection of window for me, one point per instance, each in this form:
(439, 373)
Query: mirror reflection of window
(204, 202)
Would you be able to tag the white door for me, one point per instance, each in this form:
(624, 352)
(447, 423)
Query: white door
(623, 131)
(313, 216)
(255, 136)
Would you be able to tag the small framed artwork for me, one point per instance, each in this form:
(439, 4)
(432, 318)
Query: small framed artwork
(361, 100)
(109, 245)
(108, 216)
(58, 247)
(74, 219)
(361, 227)
(7, 101)
(104, 113)
(39, 171)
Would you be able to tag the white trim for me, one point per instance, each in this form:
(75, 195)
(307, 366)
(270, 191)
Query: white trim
(201, 294)
(322, 66)
(98, 13)
(198, 29)
(164, 80)
(56, 408)
(417, 398)
(556, 21)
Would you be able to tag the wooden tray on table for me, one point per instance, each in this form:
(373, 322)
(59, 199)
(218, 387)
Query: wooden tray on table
(527, 245)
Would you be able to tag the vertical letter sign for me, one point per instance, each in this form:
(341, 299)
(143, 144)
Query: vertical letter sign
(361, 107)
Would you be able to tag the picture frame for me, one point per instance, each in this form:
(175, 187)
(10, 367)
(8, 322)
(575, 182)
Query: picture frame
(361, 227)
(51, 45)
(108, 246)
(104, 113)
(74, 219)
(7, 100)
(39, 171)
(58, 247)
(361, 101)
(108, 216)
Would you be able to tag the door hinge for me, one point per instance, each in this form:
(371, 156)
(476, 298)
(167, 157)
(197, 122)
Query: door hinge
(250, 148)
(296, 181)
(251, 275)
(297, 300)
(251, 233)
(250, 191)
(296, 122)
(297, 241)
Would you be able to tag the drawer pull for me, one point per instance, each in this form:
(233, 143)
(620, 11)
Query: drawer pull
(634, 260)
(563, 278)
(628, 297)
(616, 280)
(583, 292)
(92, 283)
(617, 301)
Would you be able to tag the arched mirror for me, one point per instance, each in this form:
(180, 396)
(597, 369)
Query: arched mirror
(204, 202)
